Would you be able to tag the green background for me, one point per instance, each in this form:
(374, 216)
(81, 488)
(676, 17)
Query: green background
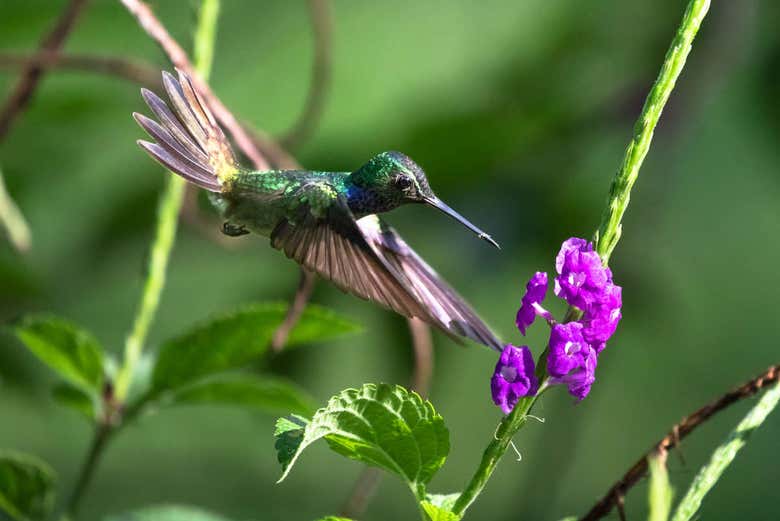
(519, 112)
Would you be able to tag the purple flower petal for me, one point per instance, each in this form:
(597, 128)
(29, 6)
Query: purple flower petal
(513, 377)
(573, 243)
(580, 380)
(535, 292)
(568, 349)
(601, 317)
(581, 275)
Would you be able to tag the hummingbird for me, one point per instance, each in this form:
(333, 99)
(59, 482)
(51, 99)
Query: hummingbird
(325, 221)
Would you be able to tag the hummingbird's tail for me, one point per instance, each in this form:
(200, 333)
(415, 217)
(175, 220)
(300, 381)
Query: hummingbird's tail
(190, 143)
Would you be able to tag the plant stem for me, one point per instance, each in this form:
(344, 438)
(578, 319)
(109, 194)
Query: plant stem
(725, 454)
(508, 427)
(99, 440)
(165, 233)
(610, 229)
(167, 220)
(608, 232)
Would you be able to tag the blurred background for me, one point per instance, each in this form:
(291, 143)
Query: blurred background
(519, 112)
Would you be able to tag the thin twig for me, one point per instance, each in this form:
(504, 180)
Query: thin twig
(294, 312)
(322, 26)
(155, 29)
(125, 68)
(362, 491)
(25, 88)
(368, 481)
(277, 156)
(675, 435)
(423, 355)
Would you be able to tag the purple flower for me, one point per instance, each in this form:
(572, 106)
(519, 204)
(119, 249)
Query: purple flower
(581, 275)
(535, 291)
(579, 380)
(513, 377)
(601, 317)
(568, 349)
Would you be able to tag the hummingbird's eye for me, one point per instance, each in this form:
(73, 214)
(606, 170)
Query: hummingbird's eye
(403, 182)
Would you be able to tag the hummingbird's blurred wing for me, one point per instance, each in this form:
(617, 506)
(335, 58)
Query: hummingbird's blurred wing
(438, 298)
(370, 260)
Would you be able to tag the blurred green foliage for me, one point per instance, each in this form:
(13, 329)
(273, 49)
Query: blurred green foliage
(519, 112)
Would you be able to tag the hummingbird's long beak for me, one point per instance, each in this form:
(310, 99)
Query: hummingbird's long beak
(440, 205)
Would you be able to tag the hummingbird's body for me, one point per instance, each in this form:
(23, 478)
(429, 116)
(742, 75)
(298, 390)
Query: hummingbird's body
(325, 221)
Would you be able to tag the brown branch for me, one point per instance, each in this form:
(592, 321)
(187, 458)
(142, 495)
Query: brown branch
(423, 356)
(277, 156)
(322, 26)
(25, 88)
(123, 68)
(368, 481)
(673, 438)
(155, 29)
(294, 312)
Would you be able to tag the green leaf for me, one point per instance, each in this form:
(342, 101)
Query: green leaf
(438, 507)
(26, 487)
(67, 349)
(660, 492)
(232, 340)
(725, 454)
(266, 393)
(167, 513)
(436, 513)
(289, 436)
(445, 501)
(334, 518)
(381, 425)
(76, 399)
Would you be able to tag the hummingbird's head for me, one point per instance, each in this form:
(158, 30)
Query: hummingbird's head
(391, 179)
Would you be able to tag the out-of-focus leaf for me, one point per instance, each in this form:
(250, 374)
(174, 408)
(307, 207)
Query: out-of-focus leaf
(660, 493)
(26, 487)
(66, 348)
(381, 425)
(74, 398)
(725, 454)
(334, 518)
(266, 393)
(234, 339)
(167, 513)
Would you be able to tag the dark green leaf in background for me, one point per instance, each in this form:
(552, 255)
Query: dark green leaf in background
(262, 392)
(26, 487)
(381, 425)
(74, 398)
(167, 513)
(232, 340)
(70, 351)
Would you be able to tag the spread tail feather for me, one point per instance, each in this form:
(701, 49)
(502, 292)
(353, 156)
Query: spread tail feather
(188, 141)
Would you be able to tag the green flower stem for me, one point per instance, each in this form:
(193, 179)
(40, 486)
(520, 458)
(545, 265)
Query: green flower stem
(609, 230)
(725, 454)
(165, 233)
(12, 220)
(167, 220)
(508, 427)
